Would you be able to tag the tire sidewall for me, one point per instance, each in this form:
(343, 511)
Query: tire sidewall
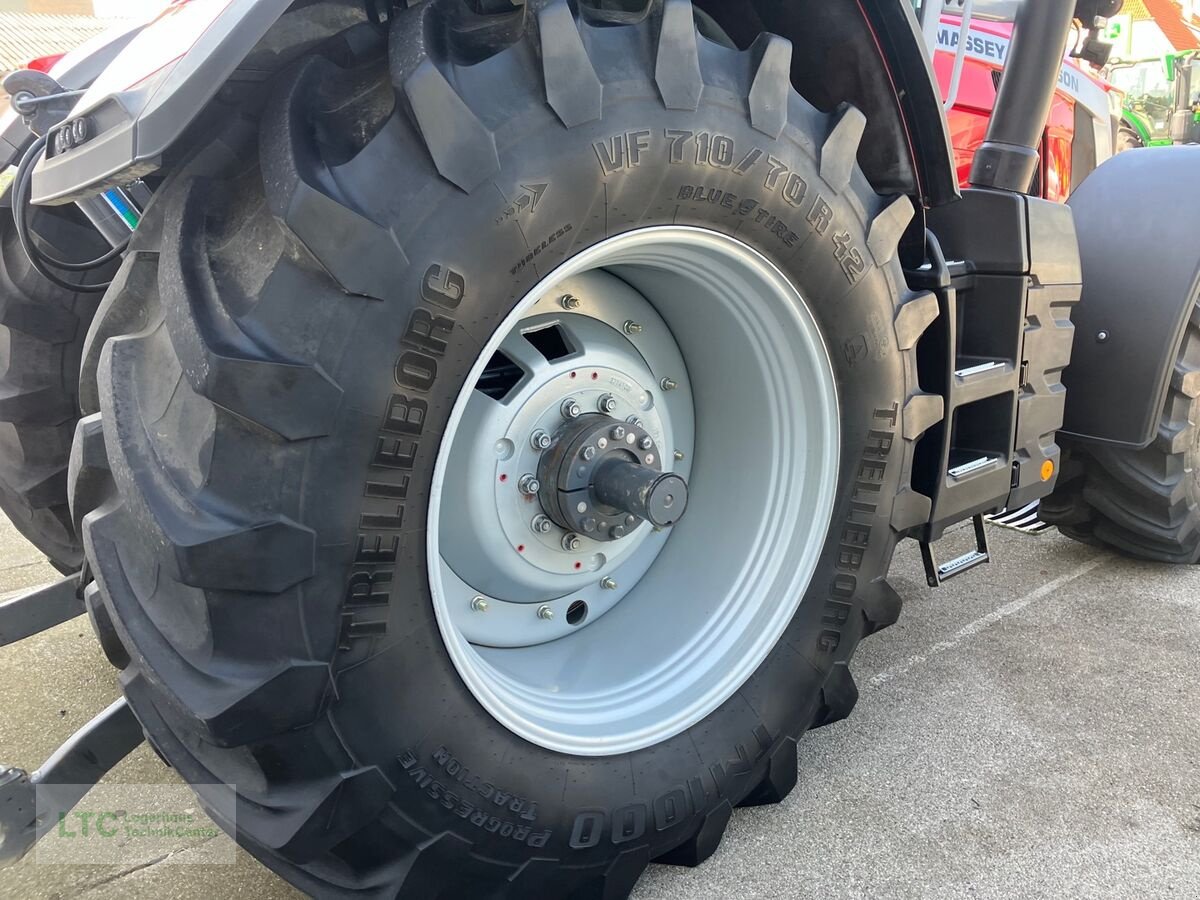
(400, 704)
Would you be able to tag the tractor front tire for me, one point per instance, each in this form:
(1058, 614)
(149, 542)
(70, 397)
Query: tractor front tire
(1145, 503)
(42, 329)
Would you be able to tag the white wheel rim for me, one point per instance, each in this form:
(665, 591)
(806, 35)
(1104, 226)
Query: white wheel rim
(676, 620)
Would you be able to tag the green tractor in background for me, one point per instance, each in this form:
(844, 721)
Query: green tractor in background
(1162, 100)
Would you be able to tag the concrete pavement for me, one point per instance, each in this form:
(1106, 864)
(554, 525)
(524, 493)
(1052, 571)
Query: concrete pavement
(1028, 729)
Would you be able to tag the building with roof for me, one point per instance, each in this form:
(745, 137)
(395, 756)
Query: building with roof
(1149, 28)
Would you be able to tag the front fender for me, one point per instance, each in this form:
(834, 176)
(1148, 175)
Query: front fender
(150, 93)
(75, 71)
(1137, 216)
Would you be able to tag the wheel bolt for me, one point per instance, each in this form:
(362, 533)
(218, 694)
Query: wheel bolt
(618, 433)
(608, 583)
(634, 421)
(540, 440)
(545, 612)
(529, 485)
(570, 409)
(541, 524)
(632, 327)
(668, 384)
(646, 443)
(569, 301)
(607, 403)
(617, 532)
(589, 453)
(589, 525)
(479, 604)
(679, 457)
(571, 542)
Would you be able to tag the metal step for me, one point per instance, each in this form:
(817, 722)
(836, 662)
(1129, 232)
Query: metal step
(937, 573)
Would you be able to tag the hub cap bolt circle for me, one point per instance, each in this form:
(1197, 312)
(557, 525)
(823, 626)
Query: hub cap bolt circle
(607, 404)
(632, 327)
(608, 583)
(541, 524)
(668, 384)
(571, 409)
(479, 604)
(545, 612)
(569, 301)
(540, 440)
(529, 485)
(571, 542)
(618, 433)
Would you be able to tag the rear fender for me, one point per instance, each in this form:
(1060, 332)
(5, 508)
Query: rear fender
(868, 53)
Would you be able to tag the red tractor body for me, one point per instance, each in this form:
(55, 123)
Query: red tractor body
(1078, 133)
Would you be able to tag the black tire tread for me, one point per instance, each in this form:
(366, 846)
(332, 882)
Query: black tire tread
(1144, 503)
(44, 326)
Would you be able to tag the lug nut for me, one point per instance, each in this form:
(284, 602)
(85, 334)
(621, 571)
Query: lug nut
(545, 612)
(479, 604)
(529, 485)
(608, 583)
(617, 532)
(634, 421)
(589, 525)
(668, 384)
(589, 453)
(570, 409)
(541, 524)
(571, 542)
(569, 301)
(607, 403)
(679, 457)
(646, 443)
(540, 440)
(618, 433)
(632, 327)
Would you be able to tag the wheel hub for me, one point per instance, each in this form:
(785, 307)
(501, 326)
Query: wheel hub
(603, 478)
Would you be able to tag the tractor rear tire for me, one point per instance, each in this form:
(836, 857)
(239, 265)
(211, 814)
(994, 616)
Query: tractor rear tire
(42, 329)
(257, 489)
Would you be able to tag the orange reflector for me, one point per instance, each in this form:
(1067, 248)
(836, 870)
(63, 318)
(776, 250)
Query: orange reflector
(1047, 470)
